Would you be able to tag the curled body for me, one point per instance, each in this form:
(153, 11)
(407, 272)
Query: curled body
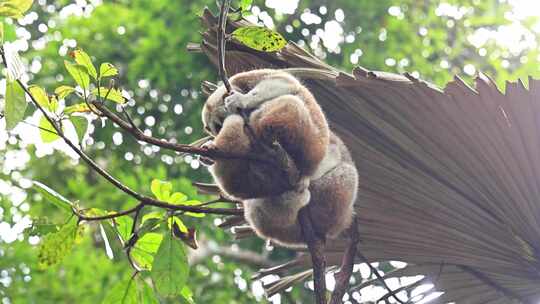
(280, 110)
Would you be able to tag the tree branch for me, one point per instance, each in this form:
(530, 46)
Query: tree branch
(316, 249)
(379, 277)
(343, 276)
(221, 42)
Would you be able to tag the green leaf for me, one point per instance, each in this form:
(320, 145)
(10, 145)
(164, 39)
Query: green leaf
(123, 292)
(161, 189)
(144, 251)
(245, 4)
(14, 8)
(176, 220)
(46, 131)
(55, 246)
(177, 198)
(186, 296)
(79, 74)
(110, 94)
(39, 95)
(123, 226)
(53, 197)
(170, 268)
(83, 59)
(145, 293)
(260, 38)
(15, 104)
(148, 225)
(77, 108)
(63, 91)
(1, 32)
(105, 238)
(107, 70)
(81, 124)
(153, 215)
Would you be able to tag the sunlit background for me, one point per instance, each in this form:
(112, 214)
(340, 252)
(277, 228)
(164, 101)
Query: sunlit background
(433, 40)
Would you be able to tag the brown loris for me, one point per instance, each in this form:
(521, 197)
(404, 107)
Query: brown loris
(280, 110)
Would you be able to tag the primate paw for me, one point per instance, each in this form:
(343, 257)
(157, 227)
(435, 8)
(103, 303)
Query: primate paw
(211, 146)
(235, 102)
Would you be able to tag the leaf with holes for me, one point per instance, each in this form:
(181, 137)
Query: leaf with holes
(170, 268)
(55, 246)
(15, 104)
(259, 38)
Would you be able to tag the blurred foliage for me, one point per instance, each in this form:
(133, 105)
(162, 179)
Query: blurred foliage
(147, 41)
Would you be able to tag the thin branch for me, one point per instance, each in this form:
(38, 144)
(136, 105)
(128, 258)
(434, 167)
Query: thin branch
(106, 217)
(316, 248)
(93, 165)
(183, 148)
(221, 42)
(347, 263)
(379, 277)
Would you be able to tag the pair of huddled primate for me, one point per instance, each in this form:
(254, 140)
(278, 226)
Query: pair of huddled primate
(278, 110)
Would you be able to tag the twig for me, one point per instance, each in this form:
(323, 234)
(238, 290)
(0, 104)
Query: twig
(139, 135)
(316, 248)
(105, 217)
(94, 166)
(221, 43)
(379, 277)
(343, 276)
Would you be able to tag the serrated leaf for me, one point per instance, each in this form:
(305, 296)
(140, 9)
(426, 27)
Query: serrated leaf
(82, 58)
(110, 94)
(170, 268)
(15, 104)
(107, 70)
(77, 108)
(63, 91)
(55, 246)
(260, 38)
(123, 226)
(79, 73)
(14, 8)
(81, 125)
(46, 131)
(161, 189)
(53, 197)
(123, 292)
(144, 250)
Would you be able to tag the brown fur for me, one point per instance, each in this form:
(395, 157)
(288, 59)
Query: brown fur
(295, 121)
